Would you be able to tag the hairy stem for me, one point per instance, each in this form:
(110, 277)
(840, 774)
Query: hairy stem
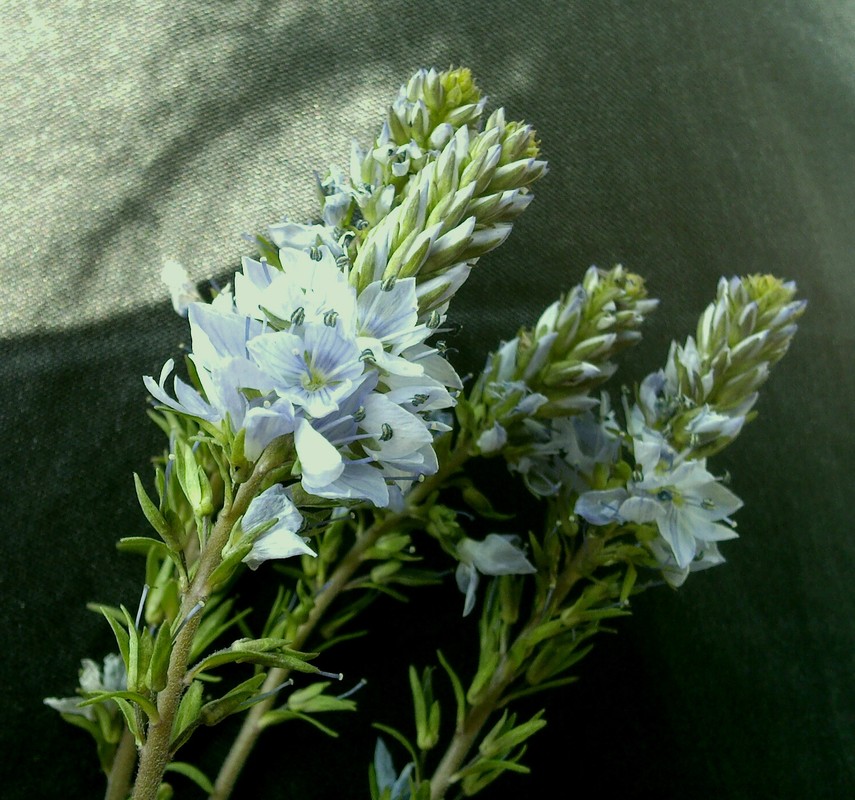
(155, 753)
(490, 698)
(347, 567)
(122, 771)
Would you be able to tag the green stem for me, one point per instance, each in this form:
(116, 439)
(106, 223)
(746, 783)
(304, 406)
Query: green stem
(155, 753)
(491, 697)
(122, 771)
(252, 726)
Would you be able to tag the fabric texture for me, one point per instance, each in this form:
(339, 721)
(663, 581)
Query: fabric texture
(685, 140)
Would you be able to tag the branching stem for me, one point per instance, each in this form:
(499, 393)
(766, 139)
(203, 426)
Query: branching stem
(252, 726)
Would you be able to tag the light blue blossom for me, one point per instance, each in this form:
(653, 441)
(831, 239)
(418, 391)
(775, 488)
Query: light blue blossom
(564, 452)
(111, 677)
(386, 777)
(297, 351)
(685, 501)
(281, 539)
(497, 554)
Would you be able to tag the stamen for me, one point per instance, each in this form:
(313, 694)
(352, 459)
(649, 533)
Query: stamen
(359, 414)
(433, 320)
(298, 316)
(145, 589)
(420, 399)
(354, 690)
(367, 355)
(386, 432)
(336, 676)
(330, 318)
(253, 700)
(315, 253)
(193, 612)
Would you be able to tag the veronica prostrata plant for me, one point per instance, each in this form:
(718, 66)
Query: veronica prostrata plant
(319, 423)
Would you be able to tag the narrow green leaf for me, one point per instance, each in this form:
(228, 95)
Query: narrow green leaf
(159, 663)
(153, 515)
(133, 662)
(130, 719)
(401, 739)
(193, 773)
(459, 693)
(143, 702)
(118, 631)
(187, 717)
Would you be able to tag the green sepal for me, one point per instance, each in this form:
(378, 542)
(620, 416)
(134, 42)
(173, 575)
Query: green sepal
(130, 716)
(427, 710)
(158, 665)
(235, 700)
(118, 631)
(143, 702)
(284, 715)
(459, 692)
(213, 625)
(505, 735)
(187, 716)
(154, 517)
(258, 651)
(164, 792)
(312, 700)
(143, 545)
(628, 583)
(480, 503)
(188, 471)
(401, 739)
(133, 660)
(193, 773)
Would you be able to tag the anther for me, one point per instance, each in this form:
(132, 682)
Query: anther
(330, 318)
(359, 414)
(367, 355)
(434, 319)
(388, 284)
(419, 399)
(386, 432)
(315, 253)
(298, 316)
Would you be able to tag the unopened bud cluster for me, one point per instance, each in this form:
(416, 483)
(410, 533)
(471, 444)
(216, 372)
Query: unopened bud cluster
(703, 396)
(549, 371)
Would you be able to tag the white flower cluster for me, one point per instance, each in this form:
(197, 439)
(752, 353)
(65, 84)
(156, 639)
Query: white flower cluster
(297, 351)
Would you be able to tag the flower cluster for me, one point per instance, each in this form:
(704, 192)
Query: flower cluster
(705, 393)
(295, 351)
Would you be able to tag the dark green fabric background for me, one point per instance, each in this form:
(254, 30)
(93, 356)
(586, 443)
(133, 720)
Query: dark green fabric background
(686, 140)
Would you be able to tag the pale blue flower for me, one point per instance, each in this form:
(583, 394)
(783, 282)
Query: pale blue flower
(182, 291)
(497, 554)
(281, 540)
(111, 677)
(295, 352)
(386, 776)
(685, 501)
(315, 371)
